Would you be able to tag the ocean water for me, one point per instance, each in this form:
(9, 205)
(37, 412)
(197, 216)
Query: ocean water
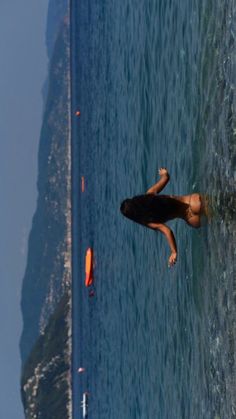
(154, 81)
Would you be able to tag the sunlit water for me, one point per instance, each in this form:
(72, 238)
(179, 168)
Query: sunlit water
(155, 84)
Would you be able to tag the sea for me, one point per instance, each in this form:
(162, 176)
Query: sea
(154, 81)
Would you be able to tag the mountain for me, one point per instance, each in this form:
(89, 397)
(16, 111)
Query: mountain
(58, 13)
(45, 343)
(46, 374)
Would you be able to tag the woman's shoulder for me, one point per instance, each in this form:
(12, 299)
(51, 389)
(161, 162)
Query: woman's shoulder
(194, 221)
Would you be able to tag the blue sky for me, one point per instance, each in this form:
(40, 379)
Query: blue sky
(22, 73)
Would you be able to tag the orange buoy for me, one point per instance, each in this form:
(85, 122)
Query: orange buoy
(82, 184)
(89, 267)
(77, 113)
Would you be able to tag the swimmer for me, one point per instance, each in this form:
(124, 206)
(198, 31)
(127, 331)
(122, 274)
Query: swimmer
(153, 210)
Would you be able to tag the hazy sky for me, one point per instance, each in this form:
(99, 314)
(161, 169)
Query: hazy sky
(23, 70)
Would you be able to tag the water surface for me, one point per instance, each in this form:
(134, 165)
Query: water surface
(154, 81)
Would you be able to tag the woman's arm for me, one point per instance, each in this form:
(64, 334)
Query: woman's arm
(168, 233)
(161, 183)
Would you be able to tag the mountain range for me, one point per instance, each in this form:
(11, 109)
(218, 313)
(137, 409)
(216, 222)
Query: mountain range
(45, 343)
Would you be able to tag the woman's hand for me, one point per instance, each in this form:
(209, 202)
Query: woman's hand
(155, 189)
(163, 172)
(172, 259)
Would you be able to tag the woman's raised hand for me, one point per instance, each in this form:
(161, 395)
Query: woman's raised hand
(172, 259)
(161, 183)
(163, 172)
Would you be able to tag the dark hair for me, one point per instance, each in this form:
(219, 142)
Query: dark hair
(149, 208)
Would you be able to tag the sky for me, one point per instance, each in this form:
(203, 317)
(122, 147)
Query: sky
(23, 70)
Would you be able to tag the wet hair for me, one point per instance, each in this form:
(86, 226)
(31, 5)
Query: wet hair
(149, 208)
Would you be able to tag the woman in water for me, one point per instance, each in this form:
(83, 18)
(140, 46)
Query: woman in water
(153, 210)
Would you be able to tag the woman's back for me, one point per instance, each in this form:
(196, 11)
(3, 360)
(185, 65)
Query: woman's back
(154, 210)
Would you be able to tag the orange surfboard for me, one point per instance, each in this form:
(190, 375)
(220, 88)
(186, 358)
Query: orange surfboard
(89, 267)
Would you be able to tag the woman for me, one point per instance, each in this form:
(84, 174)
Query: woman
(153, 211)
